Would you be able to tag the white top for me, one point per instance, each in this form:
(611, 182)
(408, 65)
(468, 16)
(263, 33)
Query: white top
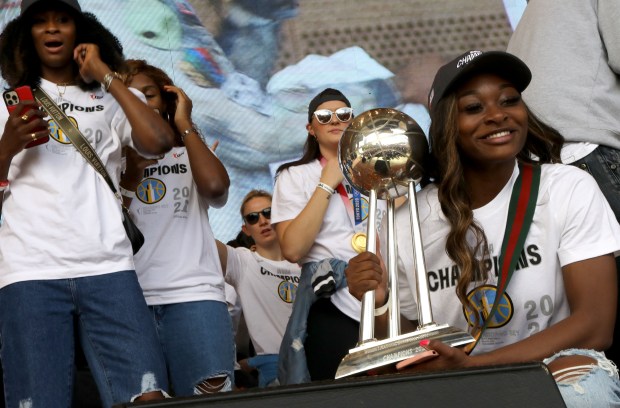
(572, 222)
(293, 189)
(234, 306)
(267, 291)
(179, 260)
(61, 219)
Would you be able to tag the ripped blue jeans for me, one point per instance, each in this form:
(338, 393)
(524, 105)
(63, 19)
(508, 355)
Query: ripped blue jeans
(592, 385)
(197, 341)
(37, 323)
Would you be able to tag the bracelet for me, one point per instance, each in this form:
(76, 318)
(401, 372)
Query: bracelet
(186, 132)
(327, 188)
(127, 193)
(4, 184)
(381, 310)
(108, 78)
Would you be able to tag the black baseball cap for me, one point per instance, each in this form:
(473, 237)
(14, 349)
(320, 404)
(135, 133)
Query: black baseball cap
(328, 94)
(26, 4)
(472, 62)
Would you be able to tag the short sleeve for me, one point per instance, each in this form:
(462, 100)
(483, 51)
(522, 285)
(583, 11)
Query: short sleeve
(289, 196)
(233, 265)
(589, 227)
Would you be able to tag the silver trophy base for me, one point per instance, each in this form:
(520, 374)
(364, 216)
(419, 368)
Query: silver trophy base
(380, 353)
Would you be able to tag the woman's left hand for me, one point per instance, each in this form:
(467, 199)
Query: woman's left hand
(88, 59)
(183, 115)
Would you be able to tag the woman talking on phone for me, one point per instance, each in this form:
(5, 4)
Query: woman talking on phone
(178, 267)
(65, 259)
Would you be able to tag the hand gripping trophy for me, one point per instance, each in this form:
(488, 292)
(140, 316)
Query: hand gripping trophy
(382, 154)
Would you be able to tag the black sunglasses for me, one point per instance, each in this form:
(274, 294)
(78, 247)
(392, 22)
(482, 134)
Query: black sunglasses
(252, 218)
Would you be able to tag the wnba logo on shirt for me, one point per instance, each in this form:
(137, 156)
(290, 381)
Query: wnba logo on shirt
(482, 298)
(287, 291)
(57, 134)
(150, 191)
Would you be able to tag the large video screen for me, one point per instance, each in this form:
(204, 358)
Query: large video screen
(252, 66)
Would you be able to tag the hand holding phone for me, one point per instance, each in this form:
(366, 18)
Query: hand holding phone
(23, 94)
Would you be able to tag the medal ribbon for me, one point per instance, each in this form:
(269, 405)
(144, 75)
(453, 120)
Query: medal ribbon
(518, 222)
(354, 210)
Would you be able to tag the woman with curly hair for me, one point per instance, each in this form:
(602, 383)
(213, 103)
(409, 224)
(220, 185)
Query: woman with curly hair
(178, 266)
(66, 263)
(491, 154)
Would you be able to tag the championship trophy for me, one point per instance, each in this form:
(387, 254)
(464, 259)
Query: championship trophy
(383, 155)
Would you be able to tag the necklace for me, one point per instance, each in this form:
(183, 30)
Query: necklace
(61, 88)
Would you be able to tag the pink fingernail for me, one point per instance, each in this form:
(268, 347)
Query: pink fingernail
(424, 342)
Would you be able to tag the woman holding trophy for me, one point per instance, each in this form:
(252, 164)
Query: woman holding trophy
(536, 287)
(316, 217)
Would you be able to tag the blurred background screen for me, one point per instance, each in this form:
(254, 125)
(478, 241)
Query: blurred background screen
(252, 66)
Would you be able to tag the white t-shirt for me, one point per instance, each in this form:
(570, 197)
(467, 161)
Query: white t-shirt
(61, 219)
(572, 222)
(267, 291)
(179, 261)
(293, 189)
(234, 306)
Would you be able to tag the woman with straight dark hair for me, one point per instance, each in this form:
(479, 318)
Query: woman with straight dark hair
(314, 217)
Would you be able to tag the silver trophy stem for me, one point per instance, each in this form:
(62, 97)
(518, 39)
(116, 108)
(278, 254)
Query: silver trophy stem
(367, 320)
(394, 306)
(425, 314)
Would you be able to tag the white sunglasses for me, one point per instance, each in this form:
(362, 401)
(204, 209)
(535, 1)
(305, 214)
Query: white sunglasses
(324, 116)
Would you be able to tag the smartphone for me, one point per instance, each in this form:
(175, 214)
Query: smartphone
(418, 358)
(21, 94)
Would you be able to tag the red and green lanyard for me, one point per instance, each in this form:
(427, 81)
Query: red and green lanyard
(520, 216)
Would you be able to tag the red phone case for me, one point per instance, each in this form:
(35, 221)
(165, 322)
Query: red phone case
(17, 95)
(418, 358)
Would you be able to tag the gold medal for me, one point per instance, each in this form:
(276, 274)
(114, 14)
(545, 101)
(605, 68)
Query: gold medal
(358, 242)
